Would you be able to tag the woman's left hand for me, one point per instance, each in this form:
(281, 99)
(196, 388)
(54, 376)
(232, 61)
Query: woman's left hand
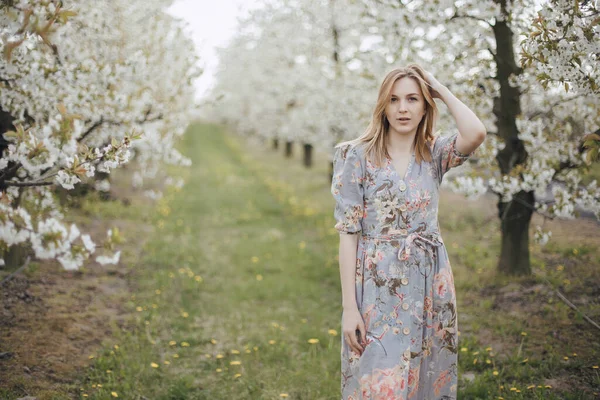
(434, 85)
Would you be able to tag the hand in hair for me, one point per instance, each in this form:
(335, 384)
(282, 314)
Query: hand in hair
(434, 85)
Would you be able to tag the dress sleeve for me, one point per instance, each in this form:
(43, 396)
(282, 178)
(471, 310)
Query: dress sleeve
(347, 190)
(446, 156)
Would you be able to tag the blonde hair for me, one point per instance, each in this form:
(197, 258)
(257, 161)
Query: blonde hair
(374, 136)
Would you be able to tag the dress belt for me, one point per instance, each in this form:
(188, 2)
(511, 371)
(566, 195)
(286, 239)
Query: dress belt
(407, 240)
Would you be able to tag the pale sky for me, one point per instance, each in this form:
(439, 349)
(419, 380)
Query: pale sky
(211, 24)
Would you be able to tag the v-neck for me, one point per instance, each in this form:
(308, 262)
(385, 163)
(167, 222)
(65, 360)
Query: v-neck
(408, 166)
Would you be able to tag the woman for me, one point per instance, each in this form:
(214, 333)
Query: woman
(399, 305)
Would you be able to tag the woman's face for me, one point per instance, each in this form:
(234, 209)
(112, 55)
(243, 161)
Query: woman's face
(405, 107)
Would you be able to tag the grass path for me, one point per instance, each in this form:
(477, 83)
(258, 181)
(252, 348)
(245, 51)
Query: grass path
(237, 295)
(231, 290)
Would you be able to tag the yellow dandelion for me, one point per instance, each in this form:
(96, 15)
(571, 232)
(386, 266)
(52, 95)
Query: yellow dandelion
(513, 389)
(275, 324)
(302, 245)
(495, 373)
(530, 386)
(220, 356)
(237, 375)
(548, 386)
(213, 341)
(234, 351)
(475, 353)
(283, 395)
(272, 341)
(138, 308)
(218, 370)
(185, 344)
(463, 349)
(99, 385)
(172, 343)
(259, 277)
(114, 394)
(304, 320)
(90, 357)
(185, 314)
(523, 333)
(154, 365)
(574, 354)
(235, 363)
(332, 332)
(313, 341)
(560, 267)
(488, 349)
(116, 346)
(255, 348)
(248, 351)
(198, 278)
(488, 361)
(575, 251)
(254, 259)
(167, 362)
(157, 291)
(565, 358)
(175, 355)
(108, 371)
(525, 360)
(595, 366)
(84, 395)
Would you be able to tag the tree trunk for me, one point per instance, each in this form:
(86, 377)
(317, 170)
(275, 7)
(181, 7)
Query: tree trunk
(275, 143)
(288, 149)
(308, 155)
(516, 214)
(515, 217)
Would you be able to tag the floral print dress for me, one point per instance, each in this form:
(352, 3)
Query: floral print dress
(404, 282)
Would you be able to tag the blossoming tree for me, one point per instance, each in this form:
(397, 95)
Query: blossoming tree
(84, 87)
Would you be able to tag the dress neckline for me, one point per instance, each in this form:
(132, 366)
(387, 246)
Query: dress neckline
(408, 166)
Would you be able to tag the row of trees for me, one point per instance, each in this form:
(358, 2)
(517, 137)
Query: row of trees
(308, 71)
(84, 88)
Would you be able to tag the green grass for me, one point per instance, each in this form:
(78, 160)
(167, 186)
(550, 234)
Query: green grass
(243, 267)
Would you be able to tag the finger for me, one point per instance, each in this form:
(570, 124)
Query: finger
(357, 348)
(363, 335)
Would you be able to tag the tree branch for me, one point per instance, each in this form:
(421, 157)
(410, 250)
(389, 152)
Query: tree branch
(456, 15)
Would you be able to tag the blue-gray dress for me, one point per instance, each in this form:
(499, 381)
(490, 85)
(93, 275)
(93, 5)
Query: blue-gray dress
(404, 282)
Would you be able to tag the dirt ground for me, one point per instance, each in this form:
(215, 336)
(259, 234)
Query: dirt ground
(52, 320)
